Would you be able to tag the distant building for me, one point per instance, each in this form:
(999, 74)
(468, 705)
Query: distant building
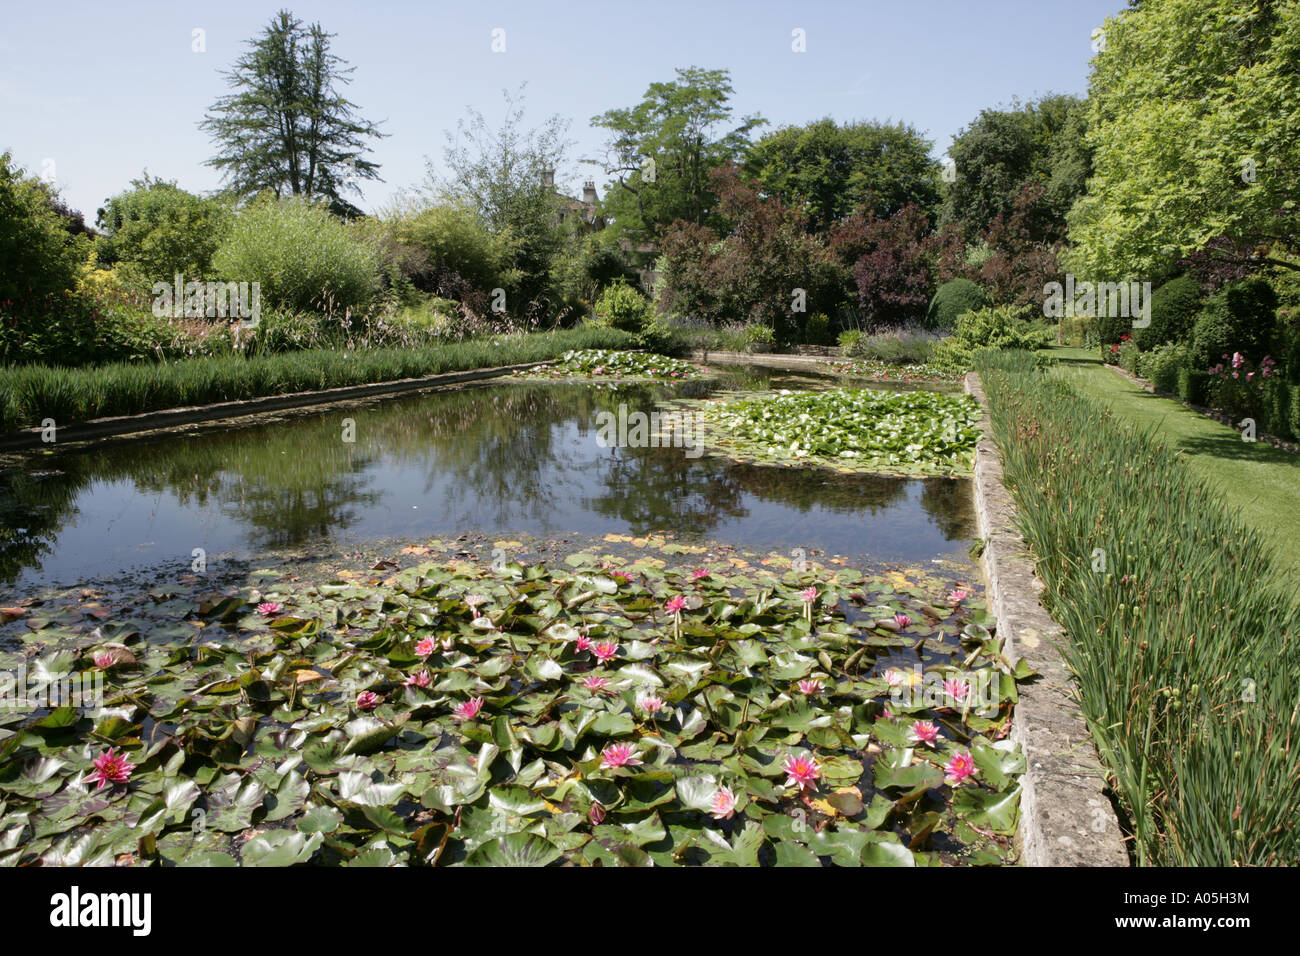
(586, 209)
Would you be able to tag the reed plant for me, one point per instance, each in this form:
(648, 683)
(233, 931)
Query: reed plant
(1181, 630)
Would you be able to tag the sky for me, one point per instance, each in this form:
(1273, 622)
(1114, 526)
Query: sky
(94, 93)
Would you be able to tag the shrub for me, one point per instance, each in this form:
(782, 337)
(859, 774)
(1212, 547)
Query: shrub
(1173, 313)
(1275, 407)
(1128, 356)
(40, 257)
(848, 340)
(997, 327)
(1160, 366)
(758, 338)
(155, 230)
(443, 244)
(303, 257)
(1192, 385)
(817, 330)
(952, 300)
(623, 307)
(1239, 318)
(1294, 415)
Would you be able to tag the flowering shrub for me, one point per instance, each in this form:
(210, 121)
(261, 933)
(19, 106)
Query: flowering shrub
(1236, 384)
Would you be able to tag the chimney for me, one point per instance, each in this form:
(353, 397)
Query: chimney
(548, 177)
(589, 193)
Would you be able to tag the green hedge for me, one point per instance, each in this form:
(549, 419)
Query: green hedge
(1183, 644)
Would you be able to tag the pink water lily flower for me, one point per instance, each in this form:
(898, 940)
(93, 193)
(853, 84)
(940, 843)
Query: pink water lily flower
(425, 647)
(104, 660)
(418, 679)
(809, 594)
(925, 732)
(956, 689)
(110, 767)
(367, 700)
(595, 683)
(699, 573)
(596, 814)
(469, 709)
(583, 643)
(605, 652)
(957, 596)
(267, 608)
(618, 755)
(723, 805)
(961, 766)
(895, 677)
(675, 605)
(474, 600)
(802, 771)
(651, 705)
(811, 686)
(902, 619)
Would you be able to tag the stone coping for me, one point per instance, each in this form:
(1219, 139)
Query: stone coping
(1066, 818)
(173, 417)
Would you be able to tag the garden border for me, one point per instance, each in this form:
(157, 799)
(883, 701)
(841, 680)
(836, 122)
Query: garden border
(1066, 817)
(174, 417)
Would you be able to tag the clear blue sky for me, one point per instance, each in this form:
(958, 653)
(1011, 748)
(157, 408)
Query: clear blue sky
(105, 90)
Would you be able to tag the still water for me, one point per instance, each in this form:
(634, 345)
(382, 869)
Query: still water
(504, 459)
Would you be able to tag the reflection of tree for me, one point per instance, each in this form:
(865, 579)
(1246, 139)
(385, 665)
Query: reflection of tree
(654, 489)
(948, 503)
(806, 488)
(33, 509)
(523, 449)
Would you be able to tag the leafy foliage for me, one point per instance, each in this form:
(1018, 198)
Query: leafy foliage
(159, 230)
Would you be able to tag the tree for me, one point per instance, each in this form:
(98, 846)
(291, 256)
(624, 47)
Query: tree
(1195, 104)
(287, 129)
(39, 250)
(834, 169)
(504, 176)
(1004, 150)
(662, 150)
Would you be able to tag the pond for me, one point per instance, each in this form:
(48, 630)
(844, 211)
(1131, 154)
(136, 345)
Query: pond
(507, 459)
(457, 628)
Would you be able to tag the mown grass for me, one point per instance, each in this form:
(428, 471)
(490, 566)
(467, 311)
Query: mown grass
(30, 394)
(1260, 480)
(1184, 642)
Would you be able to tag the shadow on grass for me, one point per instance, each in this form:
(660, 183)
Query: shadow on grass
(1231, 447)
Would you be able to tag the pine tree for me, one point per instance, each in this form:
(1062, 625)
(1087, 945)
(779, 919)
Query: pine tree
(286, 128)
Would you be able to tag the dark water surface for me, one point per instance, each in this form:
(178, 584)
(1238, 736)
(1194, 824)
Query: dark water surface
(510, 458)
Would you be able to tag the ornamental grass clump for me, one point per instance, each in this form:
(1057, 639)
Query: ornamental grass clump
(1183, 633)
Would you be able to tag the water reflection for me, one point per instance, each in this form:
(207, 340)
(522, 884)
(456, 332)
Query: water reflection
(519, 458)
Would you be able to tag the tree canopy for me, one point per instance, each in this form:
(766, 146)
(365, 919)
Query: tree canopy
(836, 169)
(662, 150)
(1194, 108)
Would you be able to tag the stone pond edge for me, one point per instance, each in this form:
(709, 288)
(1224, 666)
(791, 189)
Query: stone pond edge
(1066, 818)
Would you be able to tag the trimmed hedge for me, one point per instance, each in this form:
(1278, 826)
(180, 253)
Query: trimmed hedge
(1193, 385)
(1241, 317)
(1174, 307)
(951, 301)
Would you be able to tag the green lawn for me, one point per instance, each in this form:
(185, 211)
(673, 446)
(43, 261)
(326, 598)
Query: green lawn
(1256, 478)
